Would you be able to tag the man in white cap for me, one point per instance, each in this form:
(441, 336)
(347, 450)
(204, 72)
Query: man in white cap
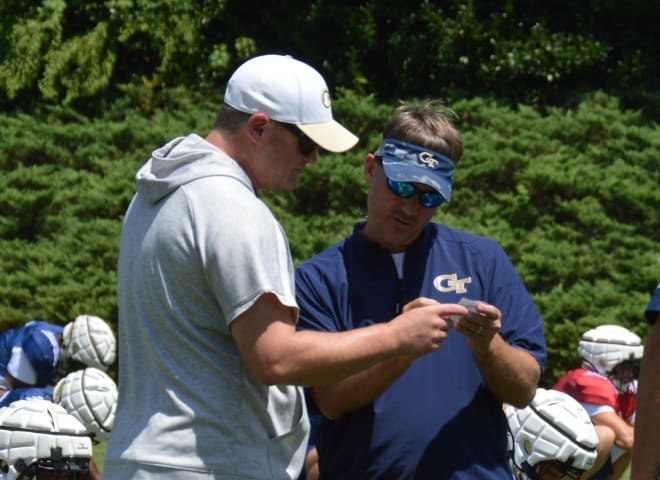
(209, 352)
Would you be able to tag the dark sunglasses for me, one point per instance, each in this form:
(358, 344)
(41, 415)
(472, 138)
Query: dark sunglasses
(406, 190)
(305, 144)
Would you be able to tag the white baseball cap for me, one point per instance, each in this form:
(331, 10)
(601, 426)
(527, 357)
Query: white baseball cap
(288, 91)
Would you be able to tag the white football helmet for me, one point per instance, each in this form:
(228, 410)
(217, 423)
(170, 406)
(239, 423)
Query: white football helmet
(38, 437)
(90, 340)
(90, 395)
(607, 346)
(554, 428)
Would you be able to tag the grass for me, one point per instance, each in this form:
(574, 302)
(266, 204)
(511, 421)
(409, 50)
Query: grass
(626, 474)
(99, 454)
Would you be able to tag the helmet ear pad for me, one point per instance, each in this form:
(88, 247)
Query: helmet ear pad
(553, 428)
(90, 341)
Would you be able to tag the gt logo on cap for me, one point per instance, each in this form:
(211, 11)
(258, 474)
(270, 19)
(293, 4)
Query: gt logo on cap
(325, 98)
(427, 159)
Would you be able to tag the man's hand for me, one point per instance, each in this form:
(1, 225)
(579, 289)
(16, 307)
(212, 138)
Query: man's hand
(424, 325)
(419, 302)
(481, 326)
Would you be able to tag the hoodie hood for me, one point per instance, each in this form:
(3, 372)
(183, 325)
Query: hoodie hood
(182, 161)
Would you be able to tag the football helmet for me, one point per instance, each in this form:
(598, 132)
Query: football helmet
(39, 437)
(90, 395)
(553, 430)
(613, 351)
(90, 341)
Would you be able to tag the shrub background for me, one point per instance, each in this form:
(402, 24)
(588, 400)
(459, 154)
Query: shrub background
(557, 104)
(572, 196)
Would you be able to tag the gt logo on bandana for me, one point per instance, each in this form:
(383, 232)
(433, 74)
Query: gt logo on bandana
(427, 159)
(451, 283)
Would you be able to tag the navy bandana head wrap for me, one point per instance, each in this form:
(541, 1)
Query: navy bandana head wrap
(405, 162)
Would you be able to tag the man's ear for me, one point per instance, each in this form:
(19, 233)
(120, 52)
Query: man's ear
(256, 124)
(370, 167)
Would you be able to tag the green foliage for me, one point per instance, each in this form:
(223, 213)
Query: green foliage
(68, 51)
(30, 38)
(541, 55)
(66, 184)
(81, 67)
(570, 194)
(442, 50)
(80, 52)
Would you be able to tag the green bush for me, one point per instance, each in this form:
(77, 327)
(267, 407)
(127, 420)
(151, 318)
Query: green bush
(82, 53)
(570, 194)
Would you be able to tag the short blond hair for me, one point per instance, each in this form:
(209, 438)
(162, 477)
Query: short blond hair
(427, 126)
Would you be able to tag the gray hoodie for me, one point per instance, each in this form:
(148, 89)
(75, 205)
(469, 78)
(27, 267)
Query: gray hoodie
(198, 248)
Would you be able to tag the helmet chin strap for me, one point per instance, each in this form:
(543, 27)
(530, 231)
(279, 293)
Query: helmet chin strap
(530, 472)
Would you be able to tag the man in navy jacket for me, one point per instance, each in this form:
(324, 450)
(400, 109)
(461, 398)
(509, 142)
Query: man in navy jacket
(437, 415)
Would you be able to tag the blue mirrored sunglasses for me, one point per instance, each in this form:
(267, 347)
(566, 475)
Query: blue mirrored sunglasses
(430, 199)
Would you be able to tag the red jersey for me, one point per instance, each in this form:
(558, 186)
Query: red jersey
(587, 386)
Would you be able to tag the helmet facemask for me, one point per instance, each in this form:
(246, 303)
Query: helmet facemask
(624, 374)
(55, 468)
(557, 469)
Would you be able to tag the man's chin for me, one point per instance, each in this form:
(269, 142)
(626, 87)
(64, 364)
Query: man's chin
(283, 188)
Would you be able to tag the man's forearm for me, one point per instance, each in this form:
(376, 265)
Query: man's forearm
(360, 389)
(512, 374)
